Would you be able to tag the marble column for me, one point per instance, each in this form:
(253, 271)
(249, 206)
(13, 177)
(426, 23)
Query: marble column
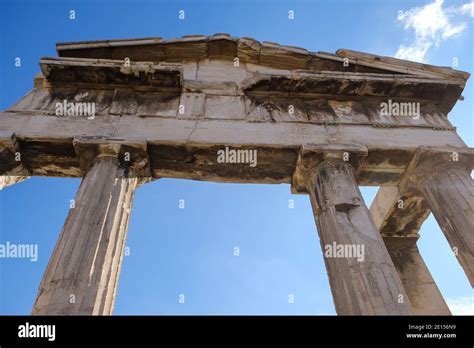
(424, 295)
(82, 275)
(362, 276)
(449, 191)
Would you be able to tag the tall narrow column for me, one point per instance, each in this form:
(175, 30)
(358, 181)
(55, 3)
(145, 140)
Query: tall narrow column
(442, 177)
(82, 274)
(449, 191)
(424, 295)
(362, 276)
(399, 225)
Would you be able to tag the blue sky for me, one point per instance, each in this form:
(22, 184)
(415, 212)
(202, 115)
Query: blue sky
(190, 251)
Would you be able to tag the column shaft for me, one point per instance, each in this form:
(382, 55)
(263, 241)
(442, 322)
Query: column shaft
(361, 282)
(450, 195)
(424, 295)
(82, 274)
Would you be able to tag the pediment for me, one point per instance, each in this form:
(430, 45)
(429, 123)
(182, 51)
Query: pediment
(248, 50)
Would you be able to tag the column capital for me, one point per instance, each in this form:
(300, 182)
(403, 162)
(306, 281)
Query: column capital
(432, 160)
(131, 153)
(11, 157)
(313, 156)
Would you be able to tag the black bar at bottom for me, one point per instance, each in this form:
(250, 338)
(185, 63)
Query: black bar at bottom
(136, 330)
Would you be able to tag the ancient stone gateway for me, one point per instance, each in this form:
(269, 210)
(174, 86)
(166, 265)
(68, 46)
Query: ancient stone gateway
(122, 112)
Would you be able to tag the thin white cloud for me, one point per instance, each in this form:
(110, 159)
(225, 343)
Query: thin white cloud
(466, 9)
(415, 52)
(431, 24)
(461, 305)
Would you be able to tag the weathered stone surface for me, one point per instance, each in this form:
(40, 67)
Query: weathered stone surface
(449, 193)
(149, 53)
(384, 166)
(288, 110)
(191, 47)
(375, 117)
(191, 105)
(146, 49)
(12, 160)
(124, 102)
(283, 56)
(159, 105)
(258, 70)
(349, 112)
(399, 65)
(398, 214)
(190, 70)
(34, 100)
(174, 103)
(319, 111)
(221, 71)
(201, 164)
(248, 50)
(346, 84)
(82, 274)
(257, 111)
(434, 117)
(234, 108)
(222, 46)
(442, 177)
(419, 285)
(111, 73)
(50, 158)
(359, 287)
